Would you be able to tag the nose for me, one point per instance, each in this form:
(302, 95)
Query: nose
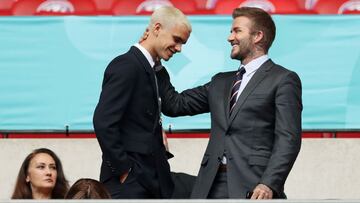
(231, 37)
(48, 171)
(178, 47)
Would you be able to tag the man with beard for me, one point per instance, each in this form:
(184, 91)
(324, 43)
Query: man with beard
(255, 116)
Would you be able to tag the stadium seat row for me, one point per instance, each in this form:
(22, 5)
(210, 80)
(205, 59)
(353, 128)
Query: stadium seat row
(196, 7)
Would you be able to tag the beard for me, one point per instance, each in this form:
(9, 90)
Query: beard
(242, 50)
(241, 54)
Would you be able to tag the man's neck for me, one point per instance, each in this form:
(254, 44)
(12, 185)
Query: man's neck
(41, 195)
(254, 55)
(149, 48)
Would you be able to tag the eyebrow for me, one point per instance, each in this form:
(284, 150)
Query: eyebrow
(42, 163)
(237, 28)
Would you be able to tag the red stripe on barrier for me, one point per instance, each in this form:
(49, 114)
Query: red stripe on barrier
(188, 135)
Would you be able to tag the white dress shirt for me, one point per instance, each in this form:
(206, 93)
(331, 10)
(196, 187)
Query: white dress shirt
(250, 69)
(146, 54)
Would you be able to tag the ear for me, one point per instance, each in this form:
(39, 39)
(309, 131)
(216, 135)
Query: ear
(258, 36)
(27, 179)
(157, 28)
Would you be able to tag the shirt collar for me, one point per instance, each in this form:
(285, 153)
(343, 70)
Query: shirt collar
(146, 54)
(255, 64)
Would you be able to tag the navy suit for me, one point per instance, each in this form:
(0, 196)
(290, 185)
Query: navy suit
(126, 123)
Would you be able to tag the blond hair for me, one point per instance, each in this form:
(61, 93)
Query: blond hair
(169, 16)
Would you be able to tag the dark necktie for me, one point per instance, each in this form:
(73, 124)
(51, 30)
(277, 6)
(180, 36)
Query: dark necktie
(235, 88)
(158, 96)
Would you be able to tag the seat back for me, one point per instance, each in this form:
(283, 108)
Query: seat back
(337, 6)
(187, 7)
(54, 7)
(104, 6)
(138, 7)
(307, 4)
(201, 4)
(270, 6)
(5, 5)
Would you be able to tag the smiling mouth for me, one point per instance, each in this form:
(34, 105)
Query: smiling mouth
(234, 47)
(172, 51)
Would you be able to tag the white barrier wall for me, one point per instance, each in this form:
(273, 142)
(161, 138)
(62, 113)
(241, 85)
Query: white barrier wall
(325, 168)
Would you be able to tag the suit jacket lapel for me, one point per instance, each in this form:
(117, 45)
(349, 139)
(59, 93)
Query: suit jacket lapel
(254, 81)
(145, 64)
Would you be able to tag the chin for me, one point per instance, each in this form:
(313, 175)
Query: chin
(166, 58)
(234, 56)
(49, 186)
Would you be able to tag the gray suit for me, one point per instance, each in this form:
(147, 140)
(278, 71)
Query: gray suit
(262, 137)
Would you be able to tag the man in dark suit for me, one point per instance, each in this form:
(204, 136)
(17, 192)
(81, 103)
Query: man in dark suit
(127, 118)
(255, 116)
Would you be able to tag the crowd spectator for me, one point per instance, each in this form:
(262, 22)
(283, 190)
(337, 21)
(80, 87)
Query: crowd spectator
(87, 188)
(41, 176)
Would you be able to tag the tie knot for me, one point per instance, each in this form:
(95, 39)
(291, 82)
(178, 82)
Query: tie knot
(157, 66)
(242, 70)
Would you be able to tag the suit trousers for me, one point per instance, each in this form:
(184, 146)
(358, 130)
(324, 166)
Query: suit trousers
(130, 189)
(219, 188)
(183, 185)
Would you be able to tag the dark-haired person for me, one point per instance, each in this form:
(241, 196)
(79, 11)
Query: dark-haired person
(41, 176)
(87, 188)
(255, 116)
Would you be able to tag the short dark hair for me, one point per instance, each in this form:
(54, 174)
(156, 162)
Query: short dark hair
(22, 188)
(261, 21)
(86, 188)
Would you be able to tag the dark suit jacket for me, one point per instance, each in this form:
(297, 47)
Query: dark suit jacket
(126, 123)
(262, 137)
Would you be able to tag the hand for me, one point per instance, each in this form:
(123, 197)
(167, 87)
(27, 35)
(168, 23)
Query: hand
(144, 36)
(123, 177)
(262, 191)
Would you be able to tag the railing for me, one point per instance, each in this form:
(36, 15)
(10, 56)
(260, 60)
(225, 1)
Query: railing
(191, 133)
